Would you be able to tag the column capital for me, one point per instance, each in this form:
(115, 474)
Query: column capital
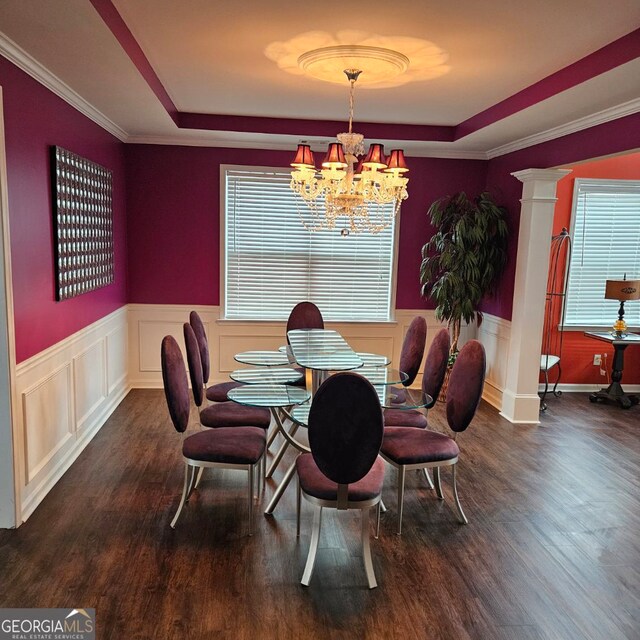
(546, 175)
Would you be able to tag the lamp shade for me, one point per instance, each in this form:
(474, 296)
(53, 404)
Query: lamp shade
(396, 162)
(622, 290)
(375, 157)
(335, 157)
(304, 158)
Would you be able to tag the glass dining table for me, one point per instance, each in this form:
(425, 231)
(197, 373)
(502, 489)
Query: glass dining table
(320, 352)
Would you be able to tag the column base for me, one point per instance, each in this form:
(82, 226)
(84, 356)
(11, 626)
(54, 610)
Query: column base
(520, 408)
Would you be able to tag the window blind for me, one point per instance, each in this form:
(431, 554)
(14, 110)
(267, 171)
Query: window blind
(605, 245)
(272, 262)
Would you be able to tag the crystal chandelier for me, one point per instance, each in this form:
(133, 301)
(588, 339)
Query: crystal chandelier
(364, 195)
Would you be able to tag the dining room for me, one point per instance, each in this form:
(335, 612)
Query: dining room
(259, 377)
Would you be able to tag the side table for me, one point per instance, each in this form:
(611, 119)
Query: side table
(614, 392)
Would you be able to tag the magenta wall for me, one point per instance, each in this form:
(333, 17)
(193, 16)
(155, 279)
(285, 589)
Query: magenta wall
(606, 139)
(35, 119)
(173, 223)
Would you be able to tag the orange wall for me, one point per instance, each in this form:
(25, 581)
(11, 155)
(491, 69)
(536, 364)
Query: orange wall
(578, 350)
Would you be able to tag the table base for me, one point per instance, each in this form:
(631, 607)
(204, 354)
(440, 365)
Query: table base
(615, 394)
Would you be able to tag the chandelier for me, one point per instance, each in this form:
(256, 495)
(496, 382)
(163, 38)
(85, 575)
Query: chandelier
(361, 194)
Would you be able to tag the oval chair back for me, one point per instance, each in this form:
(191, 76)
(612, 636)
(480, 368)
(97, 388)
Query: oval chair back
(195, 365)
(435, 366)
(465, 385)
(305, 315)
(413, 349)
(176, 389)
(203, 344)
(346, 427)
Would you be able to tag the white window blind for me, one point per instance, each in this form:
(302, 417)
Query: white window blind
(605, 245)
(272, 262)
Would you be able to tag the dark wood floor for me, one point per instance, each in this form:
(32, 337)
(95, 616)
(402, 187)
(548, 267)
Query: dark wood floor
(552, 549)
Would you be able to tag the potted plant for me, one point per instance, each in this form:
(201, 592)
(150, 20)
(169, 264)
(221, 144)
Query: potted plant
(462, 261)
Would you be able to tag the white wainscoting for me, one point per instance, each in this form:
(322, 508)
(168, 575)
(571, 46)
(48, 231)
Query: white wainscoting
(66, 394)
(149, 323)
(494, 334)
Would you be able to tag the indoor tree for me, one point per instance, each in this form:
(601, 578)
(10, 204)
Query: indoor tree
(462, 261)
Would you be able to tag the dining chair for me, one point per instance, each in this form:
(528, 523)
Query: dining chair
(408, 448)
(435, 369)
(411, 355)
(216, 392)
(226, 448)
(343, 470)
(219, 414)
(305, 315)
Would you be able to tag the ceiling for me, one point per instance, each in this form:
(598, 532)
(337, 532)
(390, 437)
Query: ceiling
(209, 58)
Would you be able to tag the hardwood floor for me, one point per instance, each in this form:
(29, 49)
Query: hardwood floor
(551, 551)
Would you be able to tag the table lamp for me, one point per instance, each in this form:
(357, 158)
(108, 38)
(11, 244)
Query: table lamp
(622, 290)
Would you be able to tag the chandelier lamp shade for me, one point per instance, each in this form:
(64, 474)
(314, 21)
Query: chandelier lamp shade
(350, 190)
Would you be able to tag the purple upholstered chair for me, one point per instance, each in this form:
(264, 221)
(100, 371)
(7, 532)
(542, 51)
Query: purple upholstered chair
(220, 414)
(411, 354)
(227, 448)
(408, 448)
(216, 392)
(305, 315)
(435, 368)
(343, 470)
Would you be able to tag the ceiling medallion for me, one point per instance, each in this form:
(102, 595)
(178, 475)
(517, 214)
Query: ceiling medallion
(377, 64)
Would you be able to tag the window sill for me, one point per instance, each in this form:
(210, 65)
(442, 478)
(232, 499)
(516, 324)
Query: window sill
(328, 324)
(596, 328)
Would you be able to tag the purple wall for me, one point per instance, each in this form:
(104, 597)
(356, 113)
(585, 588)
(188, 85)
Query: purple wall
(612, 137)
(35, 119)
(173, 224)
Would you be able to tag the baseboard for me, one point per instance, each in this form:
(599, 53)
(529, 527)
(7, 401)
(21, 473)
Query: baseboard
(570, 387)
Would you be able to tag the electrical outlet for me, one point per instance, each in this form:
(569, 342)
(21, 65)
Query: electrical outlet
(597, 359)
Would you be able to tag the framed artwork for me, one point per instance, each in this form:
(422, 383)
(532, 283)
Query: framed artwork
(82, 224)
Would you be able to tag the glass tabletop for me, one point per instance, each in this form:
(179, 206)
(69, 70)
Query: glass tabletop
(374, 360)
(415, 399)
(269, 395)
(284, 375)
(322, 349)
(382, 375)
(263, 358)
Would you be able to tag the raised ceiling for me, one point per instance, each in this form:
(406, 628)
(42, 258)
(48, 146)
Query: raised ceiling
(209, 58)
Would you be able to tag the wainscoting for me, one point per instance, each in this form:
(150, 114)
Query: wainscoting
(494, 334)
(65, 394)
(149, 323)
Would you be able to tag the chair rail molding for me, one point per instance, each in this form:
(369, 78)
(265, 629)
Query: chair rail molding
(66, 393)
(520, 401)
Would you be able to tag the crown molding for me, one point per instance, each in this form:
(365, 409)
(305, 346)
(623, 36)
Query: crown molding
(606, 115)
(18, 56)
(204, 141)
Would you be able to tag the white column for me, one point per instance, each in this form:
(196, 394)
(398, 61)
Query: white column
(520, 400)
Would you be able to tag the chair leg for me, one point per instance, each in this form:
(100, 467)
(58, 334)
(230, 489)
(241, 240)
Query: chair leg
(436, 478)
(401, 476)
(378, 510)
(298, 505)
(272, 435)
(251, 497)
(185, 490)
(200, 472)
(461, 516)
(313, 547)
(366, 550)
(427, 477)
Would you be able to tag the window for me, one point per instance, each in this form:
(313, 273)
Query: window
(272, 262)
(605, 245)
